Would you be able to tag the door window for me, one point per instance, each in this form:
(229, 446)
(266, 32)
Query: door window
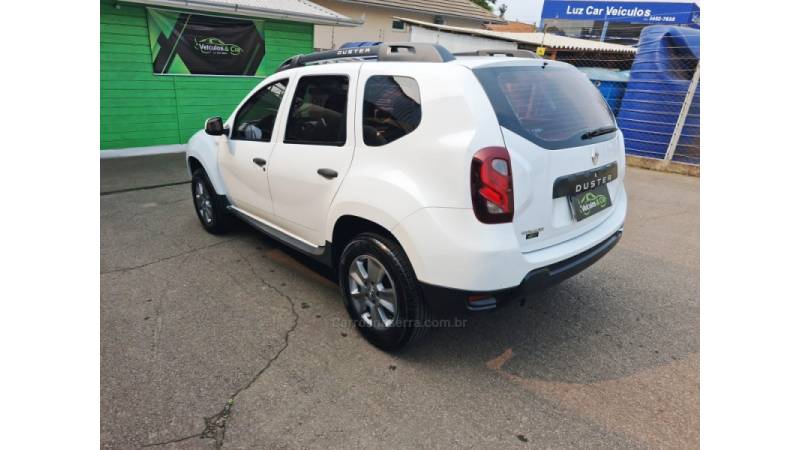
(256, 118)
(318, 114)
(391, 109)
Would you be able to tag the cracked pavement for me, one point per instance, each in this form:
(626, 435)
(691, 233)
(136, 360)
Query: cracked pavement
(236, 341)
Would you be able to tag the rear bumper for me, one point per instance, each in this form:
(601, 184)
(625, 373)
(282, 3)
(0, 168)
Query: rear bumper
(449, 247)
(455, 302)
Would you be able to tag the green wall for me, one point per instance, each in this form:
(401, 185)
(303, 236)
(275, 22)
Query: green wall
(139, 109)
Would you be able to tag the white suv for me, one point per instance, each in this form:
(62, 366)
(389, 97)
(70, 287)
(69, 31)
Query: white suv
(436, 184)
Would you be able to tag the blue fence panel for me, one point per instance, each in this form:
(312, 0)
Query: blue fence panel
(659, 80)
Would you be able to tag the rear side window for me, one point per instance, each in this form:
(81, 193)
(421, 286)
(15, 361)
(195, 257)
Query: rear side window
(391, 109)
(318, 114)
(552, 106)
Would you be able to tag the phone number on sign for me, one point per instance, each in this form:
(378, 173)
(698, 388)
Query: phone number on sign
(661, 19)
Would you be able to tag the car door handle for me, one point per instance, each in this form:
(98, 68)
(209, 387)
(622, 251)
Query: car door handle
(328, 173)
(260, 161)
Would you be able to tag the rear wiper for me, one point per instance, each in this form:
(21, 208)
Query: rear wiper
(598, 132)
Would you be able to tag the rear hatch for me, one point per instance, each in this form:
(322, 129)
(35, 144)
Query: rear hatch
(567, 157)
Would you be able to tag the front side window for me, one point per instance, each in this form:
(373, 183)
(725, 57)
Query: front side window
(318, 114)
(391, 109)
(256, 118)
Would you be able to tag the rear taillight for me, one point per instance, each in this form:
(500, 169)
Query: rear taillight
(492, 185)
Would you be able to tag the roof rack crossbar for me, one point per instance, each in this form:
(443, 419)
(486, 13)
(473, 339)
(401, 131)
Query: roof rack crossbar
(405, 51)
(505, 52)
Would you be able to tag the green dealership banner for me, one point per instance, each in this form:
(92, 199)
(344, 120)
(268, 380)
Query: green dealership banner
(184, 43)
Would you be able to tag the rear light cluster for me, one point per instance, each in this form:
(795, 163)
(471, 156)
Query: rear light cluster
(492, 185)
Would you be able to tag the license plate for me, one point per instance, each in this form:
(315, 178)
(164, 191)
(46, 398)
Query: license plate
(588, 203)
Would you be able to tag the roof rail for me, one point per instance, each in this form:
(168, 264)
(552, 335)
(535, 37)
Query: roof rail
(511, 53)
(403, 51)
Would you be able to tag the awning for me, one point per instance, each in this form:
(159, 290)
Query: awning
(293, 10)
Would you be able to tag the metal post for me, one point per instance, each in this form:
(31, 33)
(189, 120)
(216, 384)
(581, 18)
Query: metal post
(605, 30)
(687, 103)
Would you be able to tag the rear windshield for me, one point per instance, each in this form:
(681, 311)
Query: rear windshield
(552, 106)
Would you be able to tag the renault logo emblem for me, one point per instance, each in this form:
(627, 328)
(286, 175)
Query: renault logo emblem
(595, 157)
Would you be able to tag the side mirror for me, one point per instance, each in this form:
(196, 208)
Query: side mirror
(214, 126)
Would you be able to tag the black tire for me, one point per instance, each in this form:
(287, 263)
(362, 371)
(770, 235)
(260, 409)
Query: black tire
(219, 219)
(411, 318)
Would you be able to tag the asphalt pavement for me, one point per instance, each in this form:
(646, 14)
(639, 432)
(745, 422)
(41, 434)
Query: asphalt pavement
(240, 342)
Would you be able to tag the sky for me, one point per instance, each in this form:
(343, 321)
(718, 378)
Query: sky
(530, 10)
(523, 10)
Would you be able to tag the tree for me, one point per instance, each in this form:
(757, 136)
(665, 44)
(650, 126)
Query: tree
(484, 4)
(490, 6)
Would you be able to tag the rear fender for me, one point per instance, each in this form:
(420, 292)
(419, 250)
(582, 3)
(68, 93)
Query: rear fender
(356, 197)
(402, 205)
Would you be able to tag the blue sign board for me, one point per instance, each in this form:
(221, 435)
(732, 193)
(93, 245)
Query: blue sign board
(629, 12)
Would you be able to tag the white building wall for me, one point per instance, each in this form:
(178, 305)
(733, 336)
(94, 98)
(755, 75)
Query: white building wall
(458, 42)
(377, 25)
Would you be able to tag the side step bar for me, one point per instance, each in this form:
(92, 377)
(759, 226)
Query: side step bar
(278, 234)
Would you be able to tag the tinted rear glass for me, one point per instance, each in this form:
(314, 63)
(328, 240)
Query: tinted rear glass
(391, 108)
(551, 106)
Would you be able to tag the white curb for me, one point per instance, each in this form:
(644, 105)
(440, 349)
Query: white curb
(142, 151)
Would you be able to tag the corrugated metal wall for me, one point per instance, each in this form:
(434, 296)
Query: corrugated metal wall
(140, 109)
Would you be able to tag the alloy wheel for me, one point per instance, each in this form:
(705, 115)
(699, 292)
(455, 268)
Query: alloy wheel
(202, 201)
(372, 292)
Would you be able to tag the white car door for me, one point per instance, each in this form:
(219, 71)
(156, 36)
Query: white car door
(243, 161)
(314, 149)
